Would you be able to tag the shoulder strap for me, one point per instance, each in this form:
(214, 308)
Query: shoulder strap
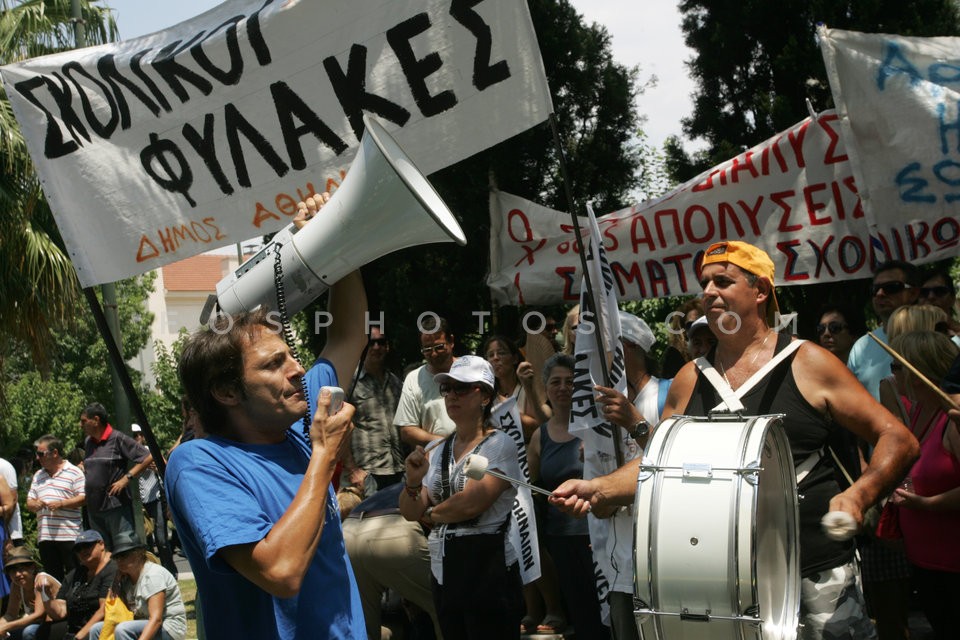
(752, 381)
(445, 457)
(730, 400)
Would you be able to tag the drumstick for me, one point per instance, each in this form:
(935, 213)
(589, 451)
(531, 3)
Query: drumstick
(940, 392)
(476, 466)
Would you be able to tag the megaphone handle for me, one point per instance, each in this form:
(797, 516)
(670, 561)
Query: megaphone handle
(519, 482)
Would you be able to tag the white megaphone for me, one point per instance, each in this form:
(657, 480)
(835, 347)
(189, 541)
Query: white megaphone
(383, 204)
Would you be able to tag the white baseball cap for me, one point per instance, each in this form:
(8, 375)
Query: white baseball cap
(636, 331)
(135, 428)
(468, 369)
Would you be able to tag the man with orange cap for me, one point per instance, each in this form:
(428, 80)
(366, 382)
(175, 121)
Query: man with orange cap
(816, 392)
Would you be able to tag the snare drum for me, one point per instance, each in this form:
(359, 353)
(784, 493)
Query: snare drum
(717, 537)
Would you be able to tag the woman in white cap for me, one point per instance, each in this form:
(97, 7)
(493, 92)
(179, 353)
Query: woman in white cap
(476, 578)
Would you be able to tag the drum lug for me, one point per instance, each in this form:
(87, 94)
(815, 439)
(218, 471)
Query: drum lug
(751, 473)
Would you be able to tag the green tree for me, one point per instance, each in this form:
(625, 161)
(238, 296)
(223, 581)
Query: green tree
(756, 62)
(38, 286)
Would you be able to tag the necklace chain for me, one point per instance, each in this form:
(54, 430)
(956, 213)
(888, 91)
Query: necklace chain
(753, 361)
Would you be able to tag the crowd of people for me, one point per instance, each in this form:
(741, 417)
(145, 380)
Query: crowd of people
(379, 506)
(371, 521)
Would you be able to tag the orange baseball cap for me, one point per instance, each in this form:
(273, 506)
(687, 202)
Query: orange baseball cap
(749, 258)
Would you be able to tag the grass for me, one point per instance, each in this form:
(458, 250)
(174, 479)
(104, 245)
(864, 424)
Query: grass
(188, 590)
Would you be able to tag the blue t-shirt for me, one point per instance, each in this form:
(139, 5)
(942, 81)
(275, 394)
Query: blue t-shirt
(870, 362)
(224, 493)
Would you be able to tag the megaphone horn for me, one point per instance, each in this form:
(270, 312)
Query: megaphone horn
(383, 204)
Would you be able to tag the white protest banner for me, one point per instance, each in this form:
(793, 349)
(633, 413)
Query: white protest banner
(155, 149)
(611, 539)
(523, 534)
(898, 99)
(794, 196)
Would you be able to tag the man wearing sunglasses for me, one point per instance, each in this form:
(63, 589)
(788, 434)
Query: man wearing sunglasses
(421, 415)
(938, 289)
(375, 443)
(895, 284)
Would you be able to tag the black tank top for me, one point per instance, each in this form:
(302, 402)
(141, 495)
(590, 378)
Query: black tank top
(808, 431)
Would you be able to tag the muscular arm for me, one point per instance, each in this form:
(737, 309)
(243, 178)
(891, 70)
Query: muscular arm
(830, 387)
(346, 335)
(278, 562)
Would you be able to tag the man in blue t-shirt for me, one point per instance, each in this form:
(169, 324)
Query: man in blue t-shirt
(252, 501)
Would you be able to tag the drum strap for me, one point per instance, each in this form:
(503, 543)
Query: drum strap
(730, 398)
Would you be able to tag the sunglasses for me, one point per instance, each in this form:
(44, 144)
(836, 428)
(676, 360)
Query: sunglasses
(890, 288)
(458, 390)
(380, 342)
(834, 327)
(935, 292)
(40, 454)
(437, 348)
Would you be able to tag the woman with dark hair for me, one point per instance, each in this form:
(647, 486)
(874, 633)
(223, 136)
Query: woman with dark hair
(554, 456)
(476, 576)
(515, 379)
(839, 327)
(677, 352)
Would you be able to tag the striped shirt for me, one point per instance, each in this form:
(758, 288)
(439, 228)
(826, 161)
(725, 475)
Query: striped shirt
(66, 483)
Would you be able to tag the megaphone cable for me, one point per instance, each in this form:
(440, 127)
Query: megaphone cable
(288, 333)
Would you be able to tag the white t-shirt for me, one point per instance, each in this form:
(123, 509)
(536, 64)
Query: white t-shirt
(10, 475)
(501, 453)
(421, 404)
(154, 579)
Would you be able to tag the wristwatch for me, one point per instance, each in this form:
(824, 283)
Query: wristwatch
(428, 514)
(129, 476)
(640, 430)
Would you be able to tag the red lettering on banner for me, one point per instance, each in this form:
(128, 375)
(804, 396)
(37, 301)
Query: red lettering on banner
(261, 214)
(635, 240)
(851, 264)
(746, 165)
(677, 262)
(658, 279)
(787, 249)
(626, 276)
(918, 241)
(146, 250)
(820, 253)
(795, 138)
(568, 276)
(707, 183)
(607, 232)
(781, 198)
(726, 210)
(814, 206)
(830, 155)
(850, 183)
(941, 238)
(170, 239)
(516, 283)
(688, 224)
(528, 256)
(676, 226)
(772, 149)
(286, 204)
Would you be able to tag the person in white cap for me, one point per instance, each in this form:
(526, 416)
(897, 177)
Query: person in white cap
(476, 576)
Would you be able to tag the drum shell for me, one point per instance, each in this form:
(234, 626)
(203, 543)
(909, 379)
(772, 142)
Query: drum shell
(716, 550)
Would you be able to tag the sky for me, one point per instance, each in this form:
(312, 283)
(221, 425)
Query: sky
(643, 33)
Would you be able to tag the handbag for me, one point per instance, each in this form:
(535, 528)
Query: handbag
(888, 526)
(115, 611)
